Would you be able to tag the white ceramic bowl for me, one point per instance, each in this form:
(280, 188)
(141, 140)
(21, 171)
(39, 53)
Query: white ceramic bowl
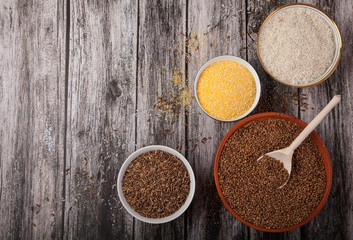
(336, 36)
(237, 60)
(132, 157)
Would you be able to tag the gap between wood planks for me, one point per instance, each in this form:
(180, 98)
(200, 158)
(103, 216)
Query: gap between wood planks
(186, 74)
(136, 86)
(67, 67)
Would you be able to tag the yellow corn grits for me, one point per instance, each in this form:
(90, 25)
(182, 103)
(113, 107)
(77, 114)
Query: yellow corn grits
(226, 90)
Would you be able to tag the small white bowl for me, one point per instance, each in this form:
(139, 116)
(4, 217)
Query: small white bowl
(237, 60)
(132, 157)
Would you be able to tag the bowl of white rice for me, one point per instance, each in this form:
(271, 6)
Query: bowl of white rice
(299, 45)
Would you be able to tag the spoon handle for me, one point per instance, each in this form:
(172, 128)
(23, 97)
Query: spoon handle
(303, 135)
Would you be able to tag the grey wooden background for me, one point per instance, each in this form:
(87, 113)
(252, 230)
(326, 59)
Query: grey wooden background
(78, 80)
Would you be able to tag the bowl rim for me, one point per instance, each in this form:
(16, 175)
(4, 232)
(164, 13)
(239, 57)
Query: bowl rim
(237, 60)
(338, 45)
(132, 157)
(318, 141)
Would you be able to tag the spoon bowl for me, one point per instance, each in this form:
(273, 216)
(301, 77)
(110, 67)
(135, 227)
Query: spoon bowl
(284, 156)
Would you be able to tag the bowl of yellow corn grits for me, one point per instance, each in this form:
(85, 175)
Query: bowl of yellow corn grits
(227, 88)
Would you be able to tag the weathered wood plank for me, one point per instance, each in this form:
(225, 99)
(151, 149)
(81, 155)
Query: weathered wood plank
(335, 221)
(270, 89)
(32, 107)
(160, 70)
(101, 120)
(221, 30)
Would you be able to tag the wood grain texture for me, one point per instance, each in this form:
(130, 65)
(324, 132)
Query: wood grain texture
(335, 221)
(101, 117)
(32, 87)
(160, 59)
(221, 30)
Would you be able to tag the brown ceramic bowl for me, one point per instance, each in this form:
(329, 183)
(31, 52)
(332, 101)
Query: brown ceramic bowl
(320, 144)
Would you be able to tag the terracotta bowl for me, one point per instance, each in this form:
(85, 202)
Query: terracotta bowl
(320, 144)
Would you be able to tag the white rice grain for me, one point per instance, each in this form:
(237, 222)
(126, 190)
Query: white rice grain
(297, 46)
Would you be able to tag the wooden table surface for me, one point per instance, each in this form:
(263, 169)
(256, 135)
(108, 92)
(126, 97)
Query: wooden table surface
(79, 80)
